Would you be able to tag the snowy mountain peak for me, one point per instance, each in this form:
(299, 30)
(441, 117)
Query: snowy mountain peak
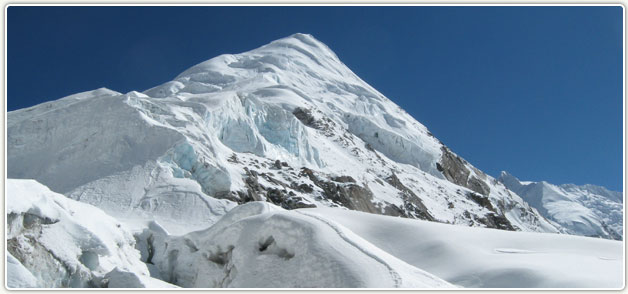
(509, 180)
(286, 123)
(587, 210)
(300, 42)
(296, 53)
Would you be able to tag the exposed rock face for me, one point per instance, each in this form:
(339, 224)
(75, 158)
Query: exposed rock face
(343, 179)
(455, 170)
(345, 193)
(354, 197)
(412, 202)
(496, 218)
(305, 116)
(253, 188)
(478, 185)
(496, 221)
(481, 200)
(282, 197)
(341, 190)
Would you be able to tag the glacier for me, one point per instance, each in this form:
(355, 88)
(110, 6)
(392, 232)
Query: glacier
(210, 172)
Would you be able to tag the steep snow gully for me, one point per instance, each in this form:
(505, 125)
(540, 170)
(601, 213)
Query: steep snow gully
(224, 177)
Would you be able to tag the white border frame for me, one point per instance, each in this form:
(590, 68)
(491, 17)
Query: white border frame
(7, 4)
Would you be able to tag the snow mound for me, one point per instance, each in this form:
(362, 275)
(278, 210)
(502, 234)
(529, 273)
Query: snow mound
(258, 244)
(122, 279)
(488, 258)
(54, 241)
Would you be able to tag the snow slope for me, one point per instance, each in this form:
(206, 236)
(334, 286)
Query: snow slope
(258, 244)
(53, 241)
(586, 210)
(287, 123)
(479, 258)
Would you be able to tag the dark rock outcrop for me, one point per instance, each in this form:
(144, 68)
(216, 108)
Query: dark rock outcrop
(306, 117)
(346, 193)
(412, 202)
(278, 196)
(477, 185)
(295, 202)
(493, 220)
(481, 200)
(455, 170)
(343, 179)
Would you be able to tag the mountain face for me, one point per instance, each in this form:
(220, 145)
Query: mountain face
(586, 210)
(277, 167)
(286, 123)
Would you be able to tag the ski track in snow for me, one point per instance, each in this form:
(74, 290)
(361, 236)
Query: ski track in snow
(394, 275)
(514, 251)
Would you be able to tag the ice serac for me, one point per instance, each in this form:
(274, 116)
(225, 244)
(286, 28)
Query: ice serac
(53, 241)
(586, 210)
(286, 123)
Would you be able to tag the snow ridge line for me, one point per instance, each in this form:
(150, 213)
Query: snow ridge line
(395, 276)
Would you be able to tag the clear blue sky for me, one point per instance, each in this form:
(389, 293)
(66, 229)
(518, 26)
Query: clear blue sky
(536, 91)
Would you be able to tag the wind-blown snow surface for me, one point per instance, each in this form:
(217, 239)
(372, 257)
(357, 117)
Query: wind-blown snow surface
(55, 241)
(478, 257)
(586, 210)
(288, 123)
(258, 244)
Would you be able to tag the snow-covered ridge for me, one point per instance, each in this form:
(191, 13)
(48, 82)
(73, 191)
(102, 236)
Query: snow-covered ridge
(586, 210)
(287, 123)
